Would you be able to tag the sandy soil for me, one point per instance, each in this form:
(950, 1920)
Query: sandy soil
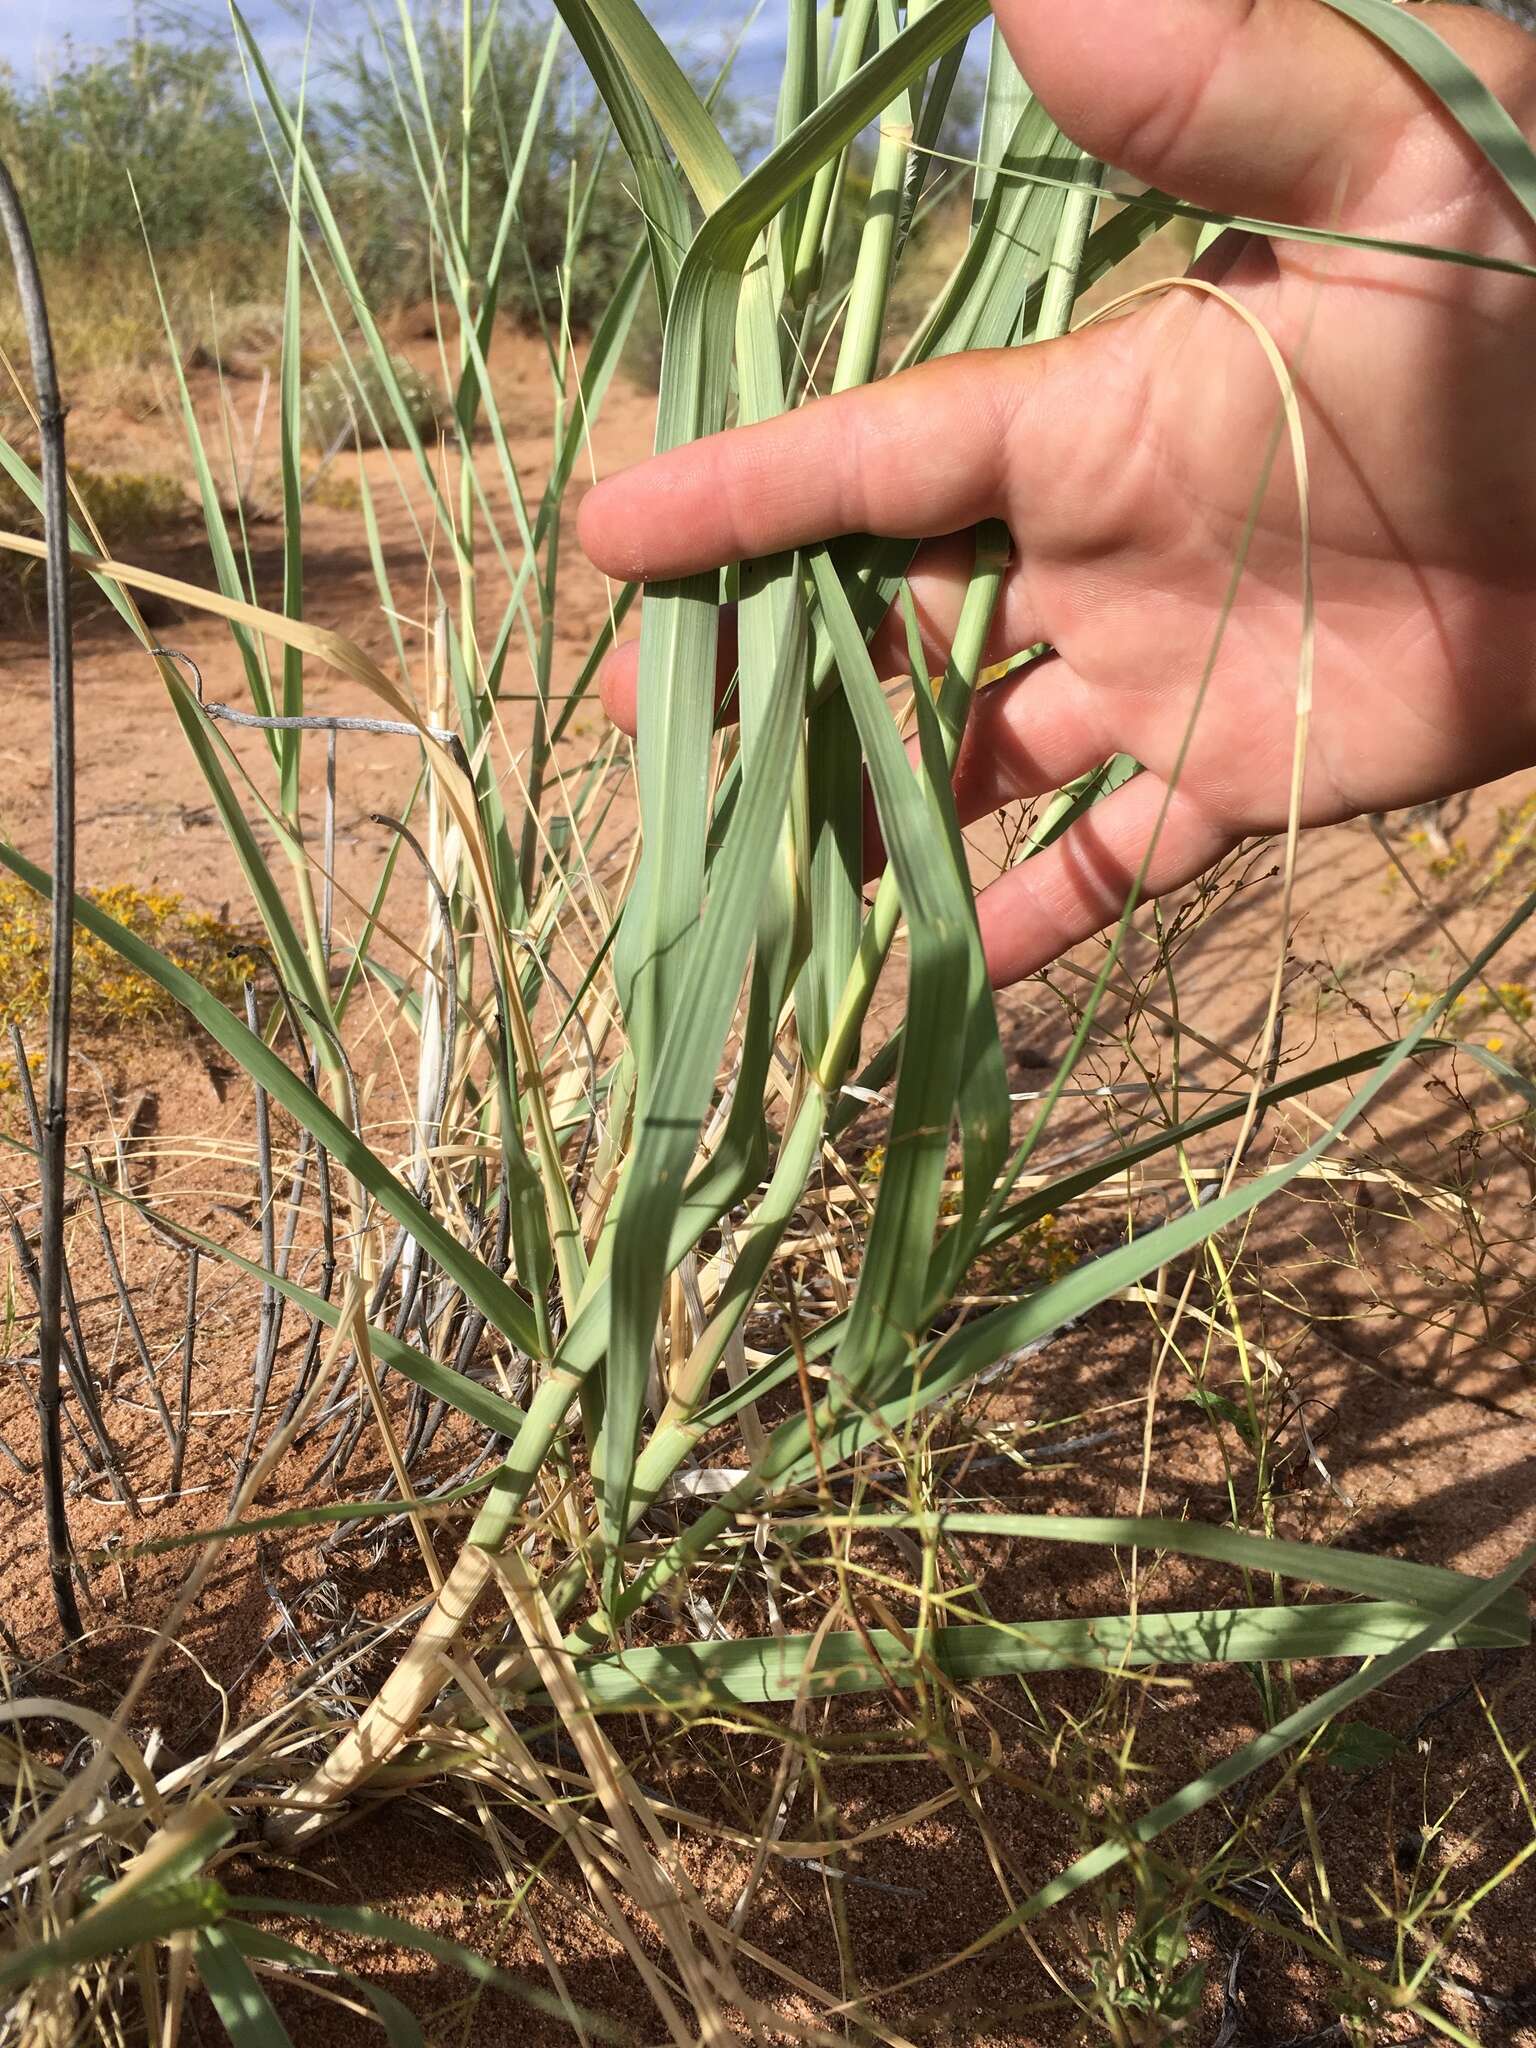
(1397, 1301)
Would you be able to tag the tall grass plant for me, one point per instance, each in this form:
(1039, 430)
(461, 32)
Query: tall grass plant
(631, 1084)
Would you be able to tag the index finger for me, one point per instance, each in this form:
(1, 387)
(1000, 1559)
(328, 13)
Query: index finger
(929, 451)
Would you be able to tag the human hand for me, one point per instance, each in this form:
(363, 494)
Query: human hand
(1124, 460)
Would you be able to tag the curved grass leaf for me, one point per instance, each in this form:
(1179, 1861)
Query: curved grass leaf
(1058, 1194)
(763, 1668)
(675, 107)
(662, 201)
(168, 1909)
(470, 1397)
(244, 2009)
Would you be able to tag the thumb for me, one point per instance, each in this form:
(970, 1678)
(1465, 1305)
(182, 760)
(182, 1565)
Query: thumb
(1279, 108)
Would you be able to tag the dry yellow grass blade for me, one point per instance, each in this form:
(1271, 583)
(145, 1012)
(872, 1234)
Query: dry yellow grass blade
(332, 648)
(670, 1898)
(392, 1716)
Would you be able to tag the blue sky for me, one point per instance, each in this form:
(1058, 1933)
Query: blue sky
(32, 31)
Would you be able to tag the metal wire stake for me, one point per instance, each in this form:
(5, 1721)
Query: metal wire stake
(50, 412)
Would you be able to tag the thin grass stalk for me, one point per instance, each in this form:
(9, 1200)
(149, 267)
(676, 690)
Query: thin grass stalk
(439, 1038)
(75, 1348)
(50, 409)
(328, 854)
(184, 1390)
(804, 273)
(865, 322)
(261, 1365)
(1064, 278)
(125, 1303)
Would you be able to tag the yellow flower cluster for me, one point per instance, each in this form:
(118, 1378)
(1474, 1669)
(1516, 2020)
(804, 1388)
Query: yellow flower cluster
(109, 995)
(1517, 837)
(1508, 999)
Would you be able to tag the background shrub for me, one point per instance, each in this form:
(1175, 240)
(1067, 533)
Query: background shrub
(108, 993)
(346, 402)
(164, 118)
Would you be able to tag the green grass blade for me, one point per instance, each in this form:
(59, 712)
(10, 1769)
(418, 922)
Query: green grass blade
(670, 1112)
(804, 272)
(334, 1514)
(945, 956)
(955, 1359)
(290, 380)
(835, 830)
(758, 1669)
(864, 319)
(244, 2009)
(663, 203)
(335, 244)
(679, 629)
(1372, 1576)
(225, 567)
(676, 108)
(505, 1309)
(154, 1916)
(799, 91)
(1068, 1188)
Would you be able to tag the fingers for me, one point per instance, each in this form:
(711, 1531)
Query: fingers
(1081, 884)
(618, 680)
(1025, 737)
(1033, 733)
(938, 579)
(1276, 107)
(1001, 433)
(917, 454)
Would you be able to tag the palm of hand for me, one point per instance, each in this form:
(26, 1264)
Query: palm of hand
(1422, 500)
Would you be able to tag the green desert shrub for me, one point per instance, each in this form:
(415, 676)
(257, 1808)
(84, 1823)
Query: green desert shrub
(157, 130)
(346, 402)
(128, 505)
(568, 163)
(131, 508)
